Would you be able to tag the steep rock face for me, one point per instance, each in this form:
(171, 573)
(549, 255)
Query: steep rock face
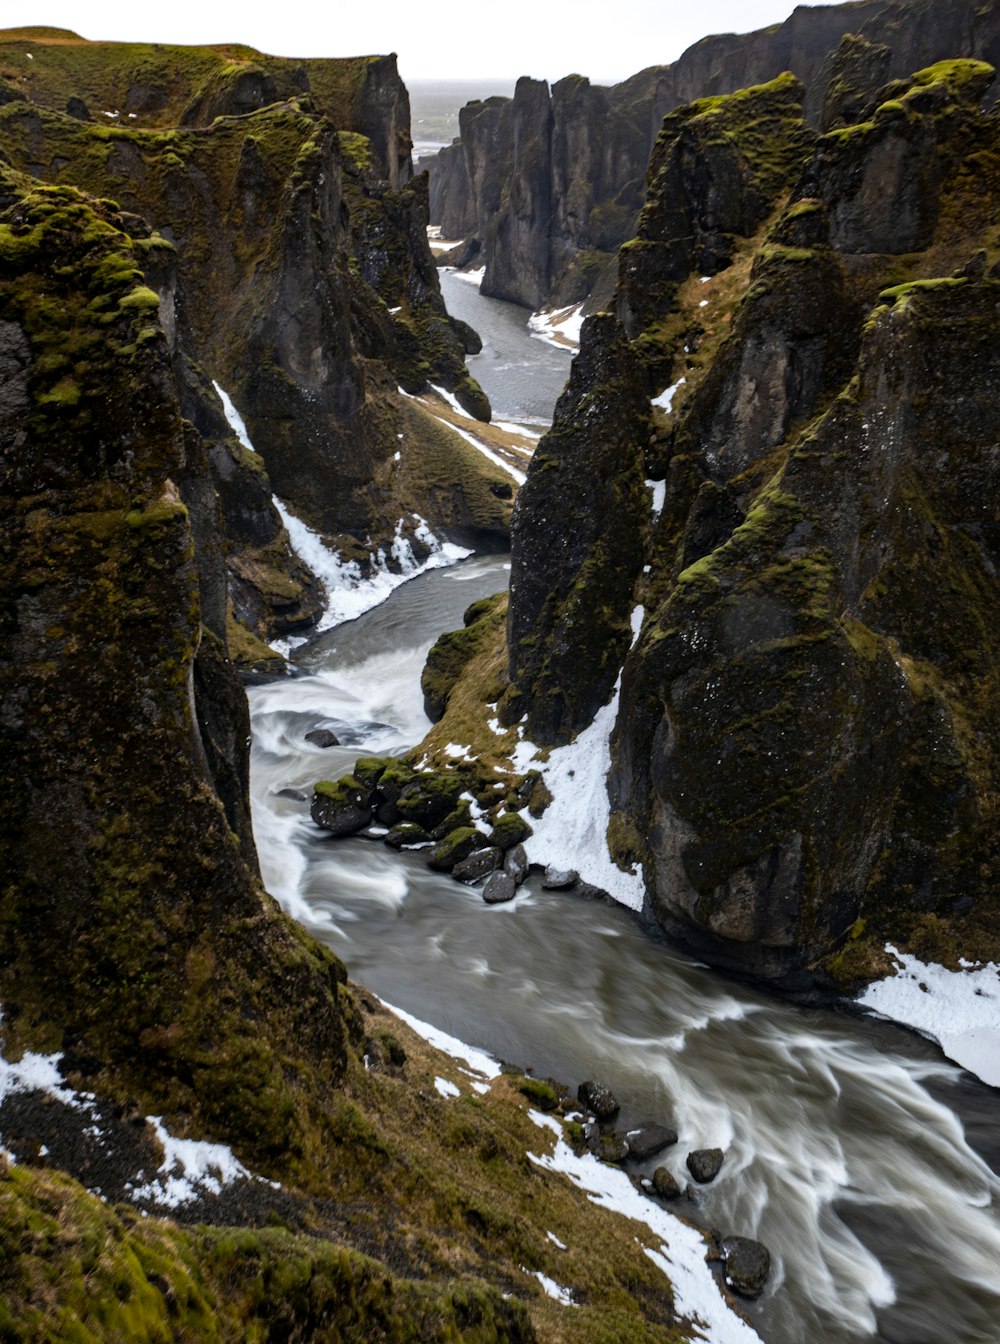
(806, 745)
(547, 183)
(301, 282)
(601, 138)
(132, 894)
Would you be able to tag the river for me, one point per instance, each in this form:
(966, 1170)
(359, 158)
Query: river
(854, 1151)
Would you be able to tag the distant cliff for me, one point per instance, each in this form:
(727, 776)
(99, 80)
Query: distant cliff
(803, 355)
(548, 184)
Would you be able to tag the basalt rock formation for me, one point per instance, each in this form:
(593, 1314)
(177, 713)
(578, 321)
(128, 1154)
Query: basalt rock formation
(545, 186)
(285, 237)
(806, 752)
(136, 941)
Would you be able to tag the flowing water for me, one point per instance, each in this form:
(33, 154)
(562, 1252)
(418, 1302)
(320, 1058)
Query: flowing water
(861, 1158)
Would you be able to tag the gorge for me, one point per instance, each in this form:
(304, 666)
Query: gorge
(752, 570)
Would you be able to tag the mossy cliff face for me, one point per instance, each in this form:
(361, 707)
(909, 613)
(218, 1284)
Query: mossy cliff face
(295, 239)
(135, 937)
(806, 748)
(135, 933)
(599, 139)
(547, 183)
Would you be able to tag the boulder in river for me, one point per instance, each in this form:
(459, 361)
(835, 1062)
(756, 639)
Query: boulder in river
(609, 1146)
(665, 1184)
(509, 830)
(323, 738)
(515, 864)
(560, 879)
(648, 1140)
(480, 864)
(704, 1164)
(748, 1265)
(342, 806)
(405, 833)
(598, 1099)
(455, 847)
(499, 888)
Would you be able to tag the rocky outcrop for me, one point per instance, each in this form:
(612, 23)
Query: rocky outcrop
(547, 182)
(288, 247)
(548, 239)
(806, 755)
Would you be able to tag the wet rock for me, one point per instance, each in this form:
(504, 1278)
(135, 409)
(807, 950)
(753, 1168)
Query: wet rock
(649, 1140)
(515, 864)
(405, 833)
(560, 879)
(598, 1099)
(748, 1265)
(455, 847)
(665, 1184)
(477, 865)
(323, 738)
(704, 1164)
(296, 795)
(510, 830)
(608, 1145)
(342, 807)
(501, 887)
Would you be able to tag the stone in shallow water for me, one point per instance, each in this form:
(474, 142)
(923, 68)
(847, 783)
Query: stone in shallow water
(560, 879)
(515, 864)
(748, 1265)
(405, 833)
(599, 1099)
(478, 865)
(704, 1164)
(665, 1184)
(648, 1140)
(322, 737)
(609, 1146)
(500, 888)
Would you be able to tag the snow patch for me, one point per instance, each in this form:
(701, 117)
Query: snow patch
(555, 1241)
(681, 1250)
(189, 1170)
(481, 1064)
(481, 447)
(572, 832)
(958, 1009)
(666, 399)
(453, 402)
(659, 489)
(558, 326)
(447, 1089)
(553, 1289)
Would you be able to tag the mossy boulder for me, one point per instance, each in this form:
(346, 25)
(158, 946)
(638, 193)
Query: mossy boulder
(343, 806)
(509, 830)
(456, 846)
(450, 654)
(429, 797)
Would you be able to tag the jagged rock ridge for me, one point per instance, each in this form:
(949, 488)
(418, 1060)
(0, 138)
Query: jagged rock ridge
(806, 753)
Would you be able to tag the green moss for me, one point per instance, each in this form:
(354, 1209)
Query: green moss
(539, 1093)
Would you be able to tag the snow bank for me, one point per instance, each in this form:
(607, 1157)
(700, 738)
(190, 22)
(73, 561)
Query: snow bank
(666, 399)
(558, 326)
(958, 1009)
(572, 832)
(350, 593)
(189, 1170)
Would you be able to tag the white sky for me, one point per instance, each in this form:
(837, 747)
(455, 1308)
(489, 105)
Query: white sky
(460, 39)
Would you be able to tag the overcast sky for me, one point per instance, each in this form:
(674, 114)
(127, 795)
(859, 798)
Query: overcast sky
(459, 39)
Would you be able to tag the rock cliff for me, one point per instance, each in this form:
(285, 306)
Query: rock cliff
(286, 239)
(546, 188)
(806, 754)
(140, 959)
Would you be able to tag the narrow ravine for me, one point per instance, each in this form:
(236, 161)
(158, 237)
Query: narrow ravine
(854, 1151)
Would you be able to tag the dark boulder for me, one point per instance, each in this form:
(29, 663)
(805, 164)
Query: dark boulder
(455, 847)
(509, 830)
(499, 889)
(404, 834)
(665, 1184)
(748, 1265)
(608, 1145)
(515, 864)
(598, 1099)
(704, 1164)
(342, 807)
(480, 864)
(560, 879)
(649, 1140)
(322, 738)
